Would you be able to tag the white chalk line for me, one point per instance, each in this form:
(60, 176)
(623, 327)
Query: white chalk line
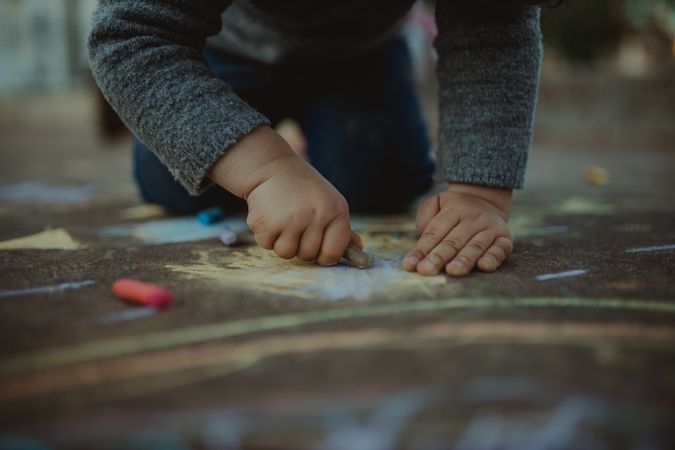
(127, 314)
(566, 274)
(46, 289)
(654, 248)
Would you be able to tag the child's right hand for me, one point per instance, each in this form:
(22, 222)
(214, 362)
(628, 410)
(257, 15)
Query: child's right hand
(293, 210)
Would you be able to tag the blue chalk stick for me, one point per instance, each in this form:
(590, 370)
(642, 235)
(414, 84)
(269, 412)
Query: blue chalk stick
(211, 215)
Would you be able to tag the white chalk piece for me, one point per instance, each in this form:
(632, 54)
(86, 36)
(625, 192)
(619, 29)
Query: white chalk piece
(227, 236)
(655, 248)
(566, 274)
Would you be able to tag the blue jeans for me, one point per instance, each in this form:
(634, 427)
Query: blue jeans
(361, 119)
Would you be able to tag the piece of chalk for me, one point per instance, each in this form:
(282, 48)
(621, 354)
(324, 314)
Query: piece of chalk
(142, 293)
(227, 236)
(211, 215)
(357, 257)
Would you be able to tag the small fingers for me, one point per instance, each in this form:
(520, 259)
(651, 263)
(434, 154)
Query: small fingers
(336, 238)
(434, 233)
(447, 249)
(466, 259)
(496, 254)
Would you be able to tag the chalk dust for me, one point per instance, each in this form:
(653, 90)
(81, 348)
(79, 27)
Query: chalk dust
(56, 239)
(257, 270)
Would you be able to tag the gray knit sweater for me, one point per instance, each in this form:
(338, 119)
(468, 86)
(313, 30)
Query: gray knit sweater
(146, 58)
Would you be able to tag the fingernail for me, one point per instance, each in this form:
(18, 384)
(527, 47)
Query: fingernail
(456, 266)
(489, 262)
(410, 261)
(428, 265)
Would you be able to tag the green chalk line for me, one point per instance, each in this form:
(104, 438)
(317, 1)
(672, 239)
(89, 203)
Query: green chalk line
(126, 345)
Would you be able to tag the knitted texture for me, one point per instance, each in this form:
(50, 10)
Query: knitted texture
(488, 72)
(146, 56)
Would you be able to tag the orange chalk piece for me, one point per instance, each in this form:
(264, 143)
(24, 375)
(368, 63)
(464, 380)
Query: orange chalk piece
(142, 293)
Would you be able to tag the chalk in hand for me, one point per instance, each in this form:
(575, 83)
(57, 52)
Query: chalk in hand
(357, 257)
(211, 215)
(142, 293)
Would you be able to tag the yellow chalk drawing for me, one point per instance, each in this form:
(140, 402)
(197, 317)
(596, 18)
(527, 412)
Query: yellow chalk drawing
(523, 224)
(582, 205)
(258, 270)
(146, 211)
(127, 345)
(57, 239)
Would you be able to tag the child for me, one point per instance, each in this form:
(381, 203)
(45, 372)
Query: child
(340, 68)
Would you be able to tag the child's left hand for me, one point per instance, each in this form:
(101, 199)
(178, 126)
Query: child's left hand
(459, 228)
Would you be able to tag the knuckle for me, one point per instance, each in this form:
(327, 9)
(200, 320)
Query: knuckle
(477, 246)
(327, 216)
(341, 206)
(451, 243)
(254, 222)
(430, 233)
(505, 244)
(335, 206)
(435, 258)
(497, 253)
(418, 253)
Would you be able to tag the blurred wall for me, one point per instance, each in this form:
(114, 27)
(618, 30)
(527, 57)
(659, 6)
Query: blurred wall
(42, 44)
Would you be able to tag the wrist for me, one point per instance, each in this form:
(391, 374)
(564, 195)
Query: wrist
(497, 196)
(250, 161)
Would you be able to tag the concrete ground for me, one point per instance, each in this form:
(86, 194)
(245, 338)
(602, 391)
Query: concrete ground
(570, 345)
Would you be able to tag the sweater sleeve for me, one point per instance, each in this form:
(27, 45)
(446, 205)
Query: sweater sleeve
(489, 56)
(146, 56)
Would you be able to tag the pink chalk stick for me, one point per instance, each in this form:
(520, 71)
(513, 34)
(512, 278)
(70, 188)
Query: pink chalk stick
(142, 293)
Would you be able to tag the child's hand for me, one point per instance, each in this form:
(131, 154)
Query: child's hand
(296, 212)
(293, 210)
(460, 227)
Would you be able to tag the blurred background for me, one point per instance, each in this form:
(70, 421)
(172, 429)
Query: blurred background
(608, 81)
(607, 101)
